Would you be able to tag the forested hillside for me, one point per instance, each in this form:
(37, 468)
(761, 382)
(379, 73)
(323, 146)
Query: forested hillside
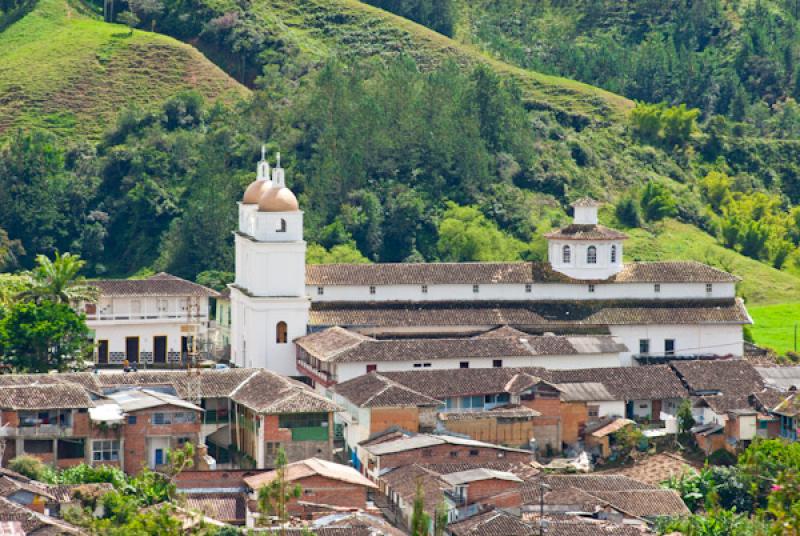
(402, 144)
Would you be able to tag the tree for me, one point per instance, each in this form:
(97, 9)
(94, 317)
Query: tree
(58, 281)
(44, 336)
(465, 234)
(130, 19)
(342, 253)
(440, 519)
(215, 279)
(274, 497)
(147, 9)
(678, 124)
(420, 520)
(627, 212)
(685, 419)
(645, 122)
(657, 202)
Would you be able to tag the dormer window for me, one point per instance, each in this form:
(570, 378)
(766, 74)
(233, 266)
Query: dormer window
(566, 255)
(613, 254)
(591, 255)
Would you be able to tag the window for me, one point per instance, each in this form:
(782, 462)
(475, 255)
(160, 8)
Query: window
(162, 305)
(178, 417)
(497, 363)
(281, 334)
(669, 346)
(591, 288)
(463, 364)
(372, 290)
(594, 410)
(566, 255)
(657, 287)
(38, 446)
(591, 255)
(424, 289)
(613, 254)
(644, 346)
(709, 288)
(454, 454)
(131, 419)
(528, 287)
(476, 288)
(371, 368)
(302, 420)
(474, 452)
(281, 226)
(320, 291)
(272, 447)
(426, 365)
(105, 450)
(427, 453)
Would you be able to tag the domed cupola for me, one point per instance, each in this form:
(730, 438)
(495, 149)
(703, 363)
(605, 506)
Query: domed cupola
(257, 188)
(585, 249)
(278, 198)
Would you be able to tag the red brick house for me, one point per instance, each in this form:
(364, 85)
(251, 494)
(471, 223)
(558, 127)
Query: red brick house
(324, 485)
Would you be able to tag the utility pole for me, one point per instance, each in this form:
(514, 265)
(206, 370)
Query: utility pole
(542, 488)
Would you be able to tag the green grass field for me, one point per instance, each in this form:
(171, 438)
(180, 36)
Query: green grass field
(774, 326)
(70, 73)
(761, 284)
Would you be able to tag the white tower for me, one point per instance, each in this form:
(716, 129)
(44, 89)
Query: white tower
(269, 306)
(585, 249)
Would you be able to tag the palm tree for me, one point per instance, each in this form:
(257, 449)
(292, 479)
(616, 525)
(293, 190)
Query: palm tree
(58, 281)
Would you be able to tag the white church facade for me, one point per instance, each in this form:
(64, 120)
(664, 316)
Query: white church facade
(640, 312)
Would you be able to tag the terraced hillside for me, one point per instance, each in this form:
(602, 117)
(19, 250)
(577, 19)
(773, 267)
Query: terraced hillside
(71, 73)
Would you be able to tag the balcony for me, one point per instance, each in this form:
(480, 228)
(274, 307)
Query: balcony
(38, 431)
(154, 317)
(322, 377)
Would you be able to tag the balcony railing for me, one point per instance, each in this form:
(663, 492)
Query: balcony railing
(322, 375)
(41, 430)
(157, 315)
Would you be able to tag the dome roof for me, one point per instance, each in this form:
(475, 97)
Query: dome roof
(279, 199)
(254, 191)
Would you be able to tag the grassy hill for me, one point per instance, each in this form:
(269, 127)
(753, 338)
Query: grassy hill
(320, 28)
(65, 71)
(761, 284)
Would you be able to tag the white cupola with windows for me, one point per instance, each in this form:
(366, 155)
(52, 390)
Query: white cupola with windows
(269, 306)
(585, 249)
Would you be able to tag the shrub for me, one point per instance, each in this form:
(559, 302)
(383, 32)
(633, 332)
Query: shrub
(627, 212)
(722, 457)
(29, 466)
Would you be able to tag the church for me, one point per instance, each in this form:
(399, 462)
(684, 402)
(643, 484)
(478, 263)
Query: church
(582, 308)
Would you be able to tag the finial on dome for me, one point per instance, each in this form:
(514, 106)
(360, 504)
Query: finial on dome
(278, 155)
(263, 166)
(278, 176)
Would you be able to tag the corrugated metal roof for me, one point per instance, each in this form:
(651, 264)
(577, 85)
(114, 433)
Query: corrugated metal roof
(474, 475)
(584, 392)
(781, 377)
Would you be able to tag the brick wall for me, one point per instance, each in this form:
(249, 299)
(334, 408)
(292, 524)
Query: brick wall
(275, 437)
(481, 489)
(383, 418)
(574, 416)
(512, 434)
(218, 478)
(452, 453)
(135, 436)
(321, 490)
(80, 424)
(10, 418)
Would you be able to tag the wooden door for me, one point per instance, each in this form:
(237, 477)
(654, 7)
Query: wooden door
(132, 349)
(160, 349)
(102, 352)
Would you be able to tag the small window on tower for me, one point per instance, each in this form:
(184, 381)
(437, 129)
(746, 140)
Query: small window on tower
(281, 226)
(613, 254)
(566, 255)
(281, 333)
(591, 255)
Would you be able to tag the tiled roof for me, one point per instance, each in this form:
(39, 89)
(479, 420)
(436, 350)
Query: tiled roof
(584, 392)
(651, 382)
(492, 523)
(429, 440)
(476, 273)
(374, 390)
(213, 383)
(312, 467)
(35, 397)
(327, 345)
(725, 384)
(586, 202)
(657, 468)
(468, 382)
(649, 503)
(501, 333)
(579, 231)
(34, 522)
(225, 507)
(528, 313)
(265, 392)
(598, 482)
(161, 284)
